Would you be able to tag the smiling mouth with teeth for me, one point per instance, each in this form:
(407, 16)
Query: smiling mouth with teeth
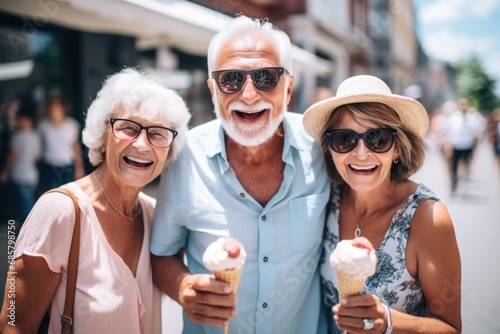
(363, 168)
(246, 115)
(137, 162)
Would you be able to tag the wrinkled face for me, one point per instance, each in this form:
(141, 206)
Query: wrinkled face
(361, 168)
(134, 162)
(250, 116)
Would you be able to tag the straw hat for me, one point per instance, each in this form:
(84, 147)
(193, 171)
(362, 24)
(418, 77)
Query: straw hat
(367, 88)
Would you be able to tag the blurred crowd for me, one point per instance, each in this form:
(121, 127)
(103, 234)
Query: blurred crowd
(456, 129)
(40, 151)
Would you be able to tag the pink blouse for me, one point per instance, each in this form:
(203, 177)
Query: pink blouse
(109, 299)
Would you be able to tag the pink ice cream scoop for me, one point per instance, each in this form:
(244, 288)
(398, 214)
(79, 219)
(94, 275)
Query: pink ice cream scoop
(355, 258)
(223, 254)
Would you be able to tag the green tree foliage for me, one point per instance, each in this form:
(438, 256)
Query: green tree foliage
(474, 84)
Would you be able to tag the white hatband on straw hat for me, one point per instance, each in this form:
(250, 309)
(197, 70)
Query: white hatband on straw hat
(366, 88)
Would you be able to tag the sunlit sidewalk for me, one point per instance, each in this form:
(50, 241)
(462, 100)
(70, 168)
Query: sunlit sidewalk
(475, 210)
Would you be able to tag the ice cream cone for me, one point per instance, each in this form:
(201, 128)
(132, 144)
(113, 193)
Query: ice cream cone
(354, 261)
(348, 285)
(231, 276)
(225, 257)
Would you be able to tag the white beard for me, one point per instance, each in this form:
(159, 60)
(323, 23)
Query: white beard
(250, 134)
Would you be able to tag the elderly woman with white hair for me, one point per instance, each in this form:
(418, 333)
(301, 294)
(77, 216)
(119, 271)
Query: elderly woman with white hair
(115, 292)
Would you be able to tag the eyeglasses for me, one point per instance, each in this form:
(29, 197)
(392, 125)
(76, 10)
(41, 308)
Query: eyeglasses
(126, 129)
(264, 79)
(344, 140)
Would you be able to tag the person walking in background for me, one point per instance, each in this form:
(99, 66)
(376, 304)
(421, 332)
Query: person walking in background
(252, 174)
(321, 93)
(62, 157)
(133, 129)
(373, 142)
(494, 134)
(462, 129)
(437, 135)
(21, 168)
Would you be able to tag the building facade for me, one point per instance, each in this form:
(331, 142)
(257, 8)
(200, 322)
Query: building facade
(67, 48)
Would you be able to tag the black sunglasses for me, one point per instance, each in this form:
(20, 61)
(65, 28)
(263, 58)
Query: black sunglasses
(344, 140)
(265, 79)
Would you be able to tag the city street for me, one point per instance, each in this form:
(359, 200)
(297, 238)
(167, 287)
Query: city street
(475, 210)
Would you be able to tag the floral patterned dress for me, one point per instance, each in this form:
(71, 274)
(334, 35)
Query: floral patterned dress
(391, 283)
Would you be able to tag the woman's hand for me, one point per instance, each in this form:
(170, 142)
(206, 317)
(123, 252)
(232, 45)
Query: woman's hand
(350, 313)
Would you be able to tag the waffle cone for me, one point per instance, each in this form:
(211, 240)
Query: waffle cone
(231, 276)
(348, 285)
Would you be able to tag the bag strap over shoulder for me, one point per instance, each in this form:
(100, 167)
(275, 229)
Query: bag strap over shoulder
(67, 316)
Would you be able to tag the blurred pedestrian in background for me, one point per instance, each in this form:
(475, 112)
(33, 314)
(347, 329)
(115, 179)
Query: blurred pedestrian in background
(495, 134)
(462, 129)
(21, 165)
(62, 157)
(320, 94)
(436, 131)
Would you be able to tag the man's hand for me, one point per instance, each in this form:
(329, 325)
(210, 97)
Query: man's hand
(207, 300)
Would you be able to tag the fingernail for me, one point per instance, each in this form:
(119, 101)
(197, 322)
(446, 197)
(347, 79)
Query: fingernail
(227, 289)
(343, 301)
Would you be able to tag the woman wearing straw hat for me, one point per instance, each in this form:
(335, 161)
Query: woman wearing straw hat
(374, 141)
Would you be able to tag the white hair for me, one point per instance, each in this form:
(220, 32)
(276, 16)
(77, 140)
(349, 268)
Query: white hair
(244, 25)
(138, 94)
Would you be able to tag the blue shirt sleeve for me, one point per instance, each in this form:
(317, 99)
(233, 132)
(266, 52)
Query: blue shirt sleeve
(169, 234)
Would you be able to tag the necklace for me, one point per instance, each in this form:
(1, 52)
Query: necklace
(109, 200)
(357, 231)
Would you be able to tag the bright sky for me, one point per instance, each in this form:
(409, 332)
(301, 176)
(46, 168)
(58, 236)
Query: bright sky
(452, 30)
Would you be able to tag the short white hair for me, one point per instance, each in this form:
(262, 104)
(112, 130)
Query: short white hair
(244, 25)
(141, 95)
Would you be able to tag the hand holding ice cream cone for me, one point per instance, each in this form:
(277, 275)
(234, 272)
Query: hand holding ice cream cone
(355, 261)
(225, 257)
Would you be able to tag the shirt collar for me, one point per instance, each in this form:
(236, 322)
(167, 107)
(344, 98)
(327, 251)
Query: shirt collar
(216, 145)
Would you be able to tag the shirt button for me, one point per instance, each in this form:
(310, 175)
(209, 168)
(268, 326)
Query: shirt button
(264, 217)
(242, 195)
(264, 305)
(265, 259)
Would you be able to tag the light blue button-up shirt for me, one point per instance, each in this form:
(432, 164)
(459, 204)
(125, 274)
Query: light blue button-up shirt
(200, 200)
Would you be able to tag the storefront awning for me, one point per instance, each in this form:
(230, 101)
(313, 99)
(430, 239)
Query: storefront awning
(177, 23)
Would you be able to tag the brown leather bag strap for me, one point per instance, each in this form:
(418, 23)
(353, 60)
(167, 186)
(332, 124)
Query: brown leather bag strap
(72, 272)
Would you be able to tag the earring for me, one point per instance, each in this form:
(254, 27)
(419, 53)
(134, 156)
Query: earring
(396, 160)
(102, 149)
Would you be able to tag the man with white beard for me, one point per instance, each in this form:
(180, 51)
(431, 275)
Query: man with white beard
(252, 174)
